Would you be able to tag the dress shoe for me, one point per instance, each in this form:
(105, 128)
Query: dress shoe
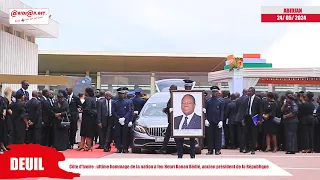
(119, 151)
(209, 153)
(192, 157)
(253, 152)
(290, 153)
(125, 151)
(217, 153)
(106, 150)
(245, 151)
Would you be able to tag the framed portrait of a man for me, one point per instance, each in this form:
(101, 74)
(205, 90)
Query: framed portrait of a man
(187, 118)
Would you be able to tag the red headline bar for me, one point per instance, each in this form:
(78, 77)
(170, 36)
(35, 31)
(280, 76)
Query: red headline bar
(290, 18)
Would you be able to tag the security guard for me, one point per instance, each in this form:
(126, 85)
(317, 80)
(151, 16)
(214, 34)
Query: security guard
(179, 141)
(123, 112)
(130, 95)
(213, 123)
(138, 102)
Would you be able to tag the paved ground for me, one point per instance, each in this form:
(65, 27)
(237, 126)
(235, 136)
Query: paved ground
(301, 166)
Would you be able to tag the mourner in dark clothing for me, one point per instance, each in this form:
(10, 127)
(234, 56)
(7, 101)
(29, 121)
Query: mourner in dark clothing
(261, 141)
(61, 123)
(307, 122)
(241, 108)
(317, 128)
(105, 120)
(3, 111)
(254, 109)
(8, 117)
(226, 101)
(231, 114)
(168, 133)
(47, 118)
(74, 103)
(214, 121)
(23, 89)
(270, 127)
(290, 120)
(138, 104)
(97, 130)
(19, 119)
(123, 113)
(89, 120)
(34, 119)
(102, 139)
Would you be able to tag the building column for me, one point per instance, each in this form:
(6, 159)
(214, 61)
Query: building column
(98, 84)
(152, 84)
(271, 88)
(304, 89)
(87, 74)
(296, 88)
(47, 86)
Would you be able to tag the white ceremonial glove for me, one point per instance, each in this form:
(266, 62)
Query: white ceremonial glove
(206, 123)
(135, 112)
(204, 110)
(220, 124)
(121, 123)
(121, 120)
(130, 124)
(171, 110)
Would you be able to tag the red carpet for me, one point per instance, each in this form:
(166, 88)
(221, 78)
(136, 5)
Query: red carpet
(95, 153)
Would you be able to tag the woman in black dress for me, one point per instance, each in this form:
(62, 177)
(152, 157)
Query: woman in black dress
(8, 121)
(61, 131)
(88, 124)
(270, 126)
(307, 122)
(2, 124)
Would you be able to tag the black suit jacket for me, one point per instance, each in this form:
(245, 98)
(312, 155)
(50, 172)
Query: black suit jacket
(27, 98)
(195, 122)
(102, 111)
(73, 107)
(241, 108)
(256, 107)
(47, 111)
(34, 112)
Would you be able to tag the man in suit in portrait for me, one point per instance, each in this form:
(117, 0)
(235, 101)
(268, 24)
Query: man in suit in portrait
(189, 119)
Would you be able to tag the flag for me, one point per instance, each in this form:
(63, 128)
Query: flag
(255, 119)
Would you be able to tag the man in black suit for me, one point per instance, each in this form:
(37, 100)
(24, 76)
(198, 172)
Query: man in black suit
(34, 119)
(189, 119)
(23, 89)
(254, 107)
(47, 119)
(74, 103)
(241, 111)
(105, 120)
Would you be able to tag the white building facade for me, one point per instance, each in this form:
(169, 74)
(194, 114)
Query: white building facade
(18, 50)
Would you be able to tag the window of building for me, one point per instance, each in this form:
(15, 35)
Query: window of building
(6, 29)
(17, 33)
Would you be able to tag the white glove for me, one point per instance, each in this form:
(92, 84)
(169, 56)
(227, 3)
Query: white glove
(121, 123)
(136, 112)
(171, 110)
(206, 123)
(204, 110)
(130, 124)
(220, 124)
(121, 120)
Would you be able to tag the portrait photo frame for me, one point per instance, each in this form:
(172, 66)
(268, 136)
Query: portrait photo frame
(187, 117)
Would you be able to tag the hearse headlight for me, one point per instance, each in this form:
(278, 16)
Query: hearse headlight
(139, 129)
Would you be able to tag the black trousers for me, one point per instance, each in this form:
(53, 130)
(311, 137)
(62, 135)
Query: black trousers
(307, 137)
(19, 133)
(214, 134)
(106, 134)
(317, 138)
(73, 129)
(251, 134)
(167, 136)
(290, 133)
(235, 133)
(34, 135)
(179, 144)
(121, 133)
(226, 133)
(47, 135)
(280, 136)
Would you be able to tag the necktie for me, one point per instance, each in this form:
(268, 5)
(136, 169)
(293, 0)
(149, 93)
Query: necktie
(68, 99)
(185, 123)
(107, 104)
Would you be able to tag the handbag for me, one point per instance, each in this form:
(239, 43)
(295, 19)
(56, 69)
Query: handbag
(276, 120)
(65, 122)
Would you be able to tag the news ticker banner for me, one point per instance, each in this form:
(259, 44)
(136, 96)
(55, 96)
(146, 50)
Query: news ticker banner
(173, 167)
(32, 161)
(306, 14)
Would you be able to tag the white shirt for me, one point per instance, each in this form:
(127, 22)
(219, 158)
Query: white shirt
(44, 98)
(188, 120)
(109, 107)
(70, 97)
(250, 105)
